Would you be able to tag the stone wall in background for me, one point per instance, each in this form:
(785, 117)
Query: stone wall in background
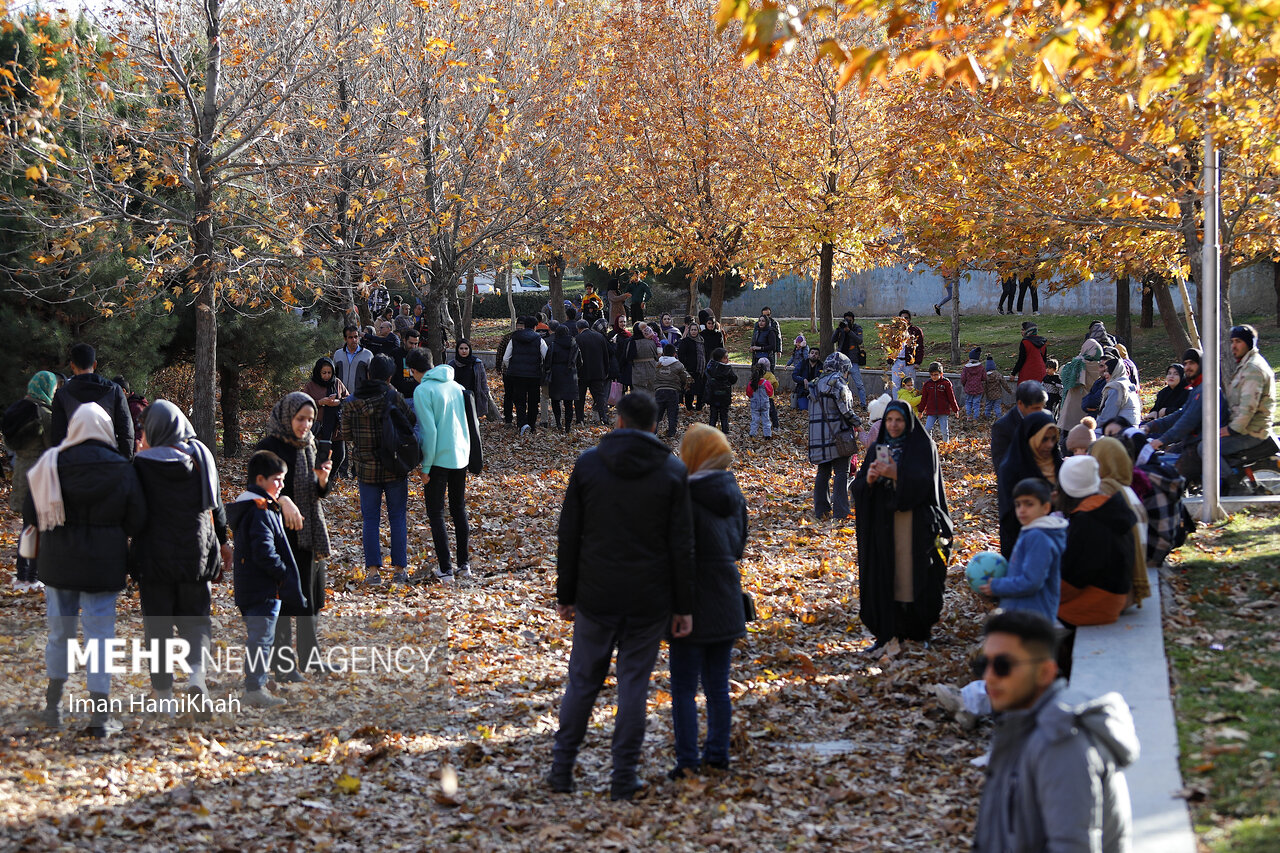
(884, 291)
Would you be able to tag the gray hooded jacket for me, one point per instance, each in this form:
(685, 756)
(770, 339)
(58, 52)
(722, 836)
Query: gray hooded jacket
(1055, 780)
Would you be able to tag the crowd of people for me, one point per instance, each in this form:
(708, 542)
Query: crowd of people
(1088, 494)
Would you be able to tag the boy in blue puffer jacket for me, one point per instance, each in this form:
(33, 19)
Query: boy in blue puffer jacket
(1034, 582)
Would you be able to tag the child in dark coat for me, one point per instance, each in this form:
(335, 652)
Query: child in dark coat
(719, 388)
(263, 570)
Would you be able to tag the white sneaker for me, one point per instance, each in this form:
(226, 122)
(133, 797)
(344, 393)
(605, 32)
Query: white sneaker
(441, 576)
(464, 572)
(263, 699)
(951, 700)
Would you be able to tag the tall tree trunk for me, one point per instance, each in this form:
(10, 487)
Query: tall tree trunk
(717, 293)
(469, 304)
(826, 258)
(503, 274)
(434, 308)
(1124, 310)
(1178, 338)
(204, 400)
(230, 403)
(453, 310)
(555, 280)
(1189, 311)
(1148, 320)
(692, 304)
(813, 305)
(1275, 282)
(954, 279)
(205, 393)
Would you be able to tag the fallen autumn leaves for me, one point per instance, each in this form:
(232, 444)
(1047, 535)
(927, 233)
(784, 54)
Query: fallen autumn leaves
(454, 757)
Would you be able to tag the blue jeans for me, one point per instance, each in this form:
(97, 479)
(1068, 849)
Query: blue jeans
(855, 377)
(97, 612)
(260, 628)
(991, 407)
(901, 369)
(691, 663)
(397, 493)
(973, 405)
(949, 297)
(944, 423)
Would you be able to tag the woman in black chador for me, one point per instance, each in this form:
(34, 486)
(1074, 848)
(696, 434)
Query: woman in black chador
(904, 531)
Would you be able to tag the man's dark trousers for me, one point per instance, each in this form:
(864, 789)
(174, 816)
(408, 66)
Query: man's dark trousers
(594, 640)
(599, 399)
(526, 393)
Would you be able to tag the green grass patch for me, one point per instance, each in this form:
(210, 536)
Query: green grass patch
(1000, 335)
(1223, 642)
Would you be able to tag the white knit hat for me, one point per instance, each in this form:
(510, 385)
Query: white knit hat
(875, 411)
(1079, 477)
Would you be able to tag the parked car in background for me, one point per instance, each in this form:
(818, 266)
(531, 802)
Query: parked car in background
(523, 281)
(528, 283)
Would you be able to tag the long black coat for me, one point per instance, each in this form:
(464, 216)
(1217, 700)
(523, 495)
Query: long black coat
(720, 536)
(104, 506)
(919, 488)
(563, 358)
(595, 356)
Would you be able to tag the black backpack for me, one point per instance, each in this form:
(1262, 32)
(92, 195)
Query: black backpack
(399, 452)
(18, 421)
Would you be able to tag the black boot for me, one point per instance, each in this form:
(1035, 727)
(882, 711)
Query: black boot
(51, 716)
(101, 723)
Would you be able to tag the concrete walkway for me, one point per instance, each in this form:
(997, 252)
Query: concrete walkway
(1128, 657)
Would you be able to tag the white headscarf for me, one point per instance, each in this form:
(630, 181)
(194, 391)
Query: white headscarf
(89, 423)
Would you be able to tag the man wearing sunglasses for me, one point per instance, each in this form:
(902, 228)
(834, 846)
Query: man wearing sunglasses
(1055, 779)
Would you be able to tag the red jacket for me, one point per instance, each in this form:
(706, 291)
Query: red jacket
(1031, 358)
(938, 398)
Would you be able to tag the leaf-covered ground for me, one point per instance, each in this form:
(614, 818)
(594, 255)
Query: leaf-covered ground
(356, 761)
(1222, 636)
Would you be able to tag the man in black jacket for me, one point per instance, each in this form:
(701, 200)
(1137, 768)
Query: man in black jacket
(523, 365)
(1030, 397)
(621, 590)
(86, 386)
(593, 372)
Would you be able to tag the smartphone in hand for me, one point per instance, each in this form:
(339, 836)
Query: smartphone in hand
(883, 456)
(324, 448)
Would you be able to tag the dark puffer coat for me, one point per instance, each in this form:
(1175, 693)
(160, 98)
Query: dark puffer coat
(179, 543)
(644, 567)
(104, 506)
(720, 535)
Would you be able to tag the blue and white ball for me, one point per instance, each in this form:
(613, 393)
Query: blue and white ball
(984, 566)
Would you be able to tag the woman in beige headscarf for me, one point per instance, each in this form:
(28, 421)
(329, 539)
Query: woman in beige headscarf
(1116, 470)
(719, 616)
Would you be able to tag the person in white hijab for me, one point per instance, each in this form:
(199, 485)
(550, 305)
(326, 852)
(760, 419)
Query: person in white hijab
(87, 502)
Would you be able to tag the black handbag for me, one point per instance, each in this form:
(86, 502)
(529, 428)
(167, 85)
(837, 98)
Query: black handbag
(749, 607)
